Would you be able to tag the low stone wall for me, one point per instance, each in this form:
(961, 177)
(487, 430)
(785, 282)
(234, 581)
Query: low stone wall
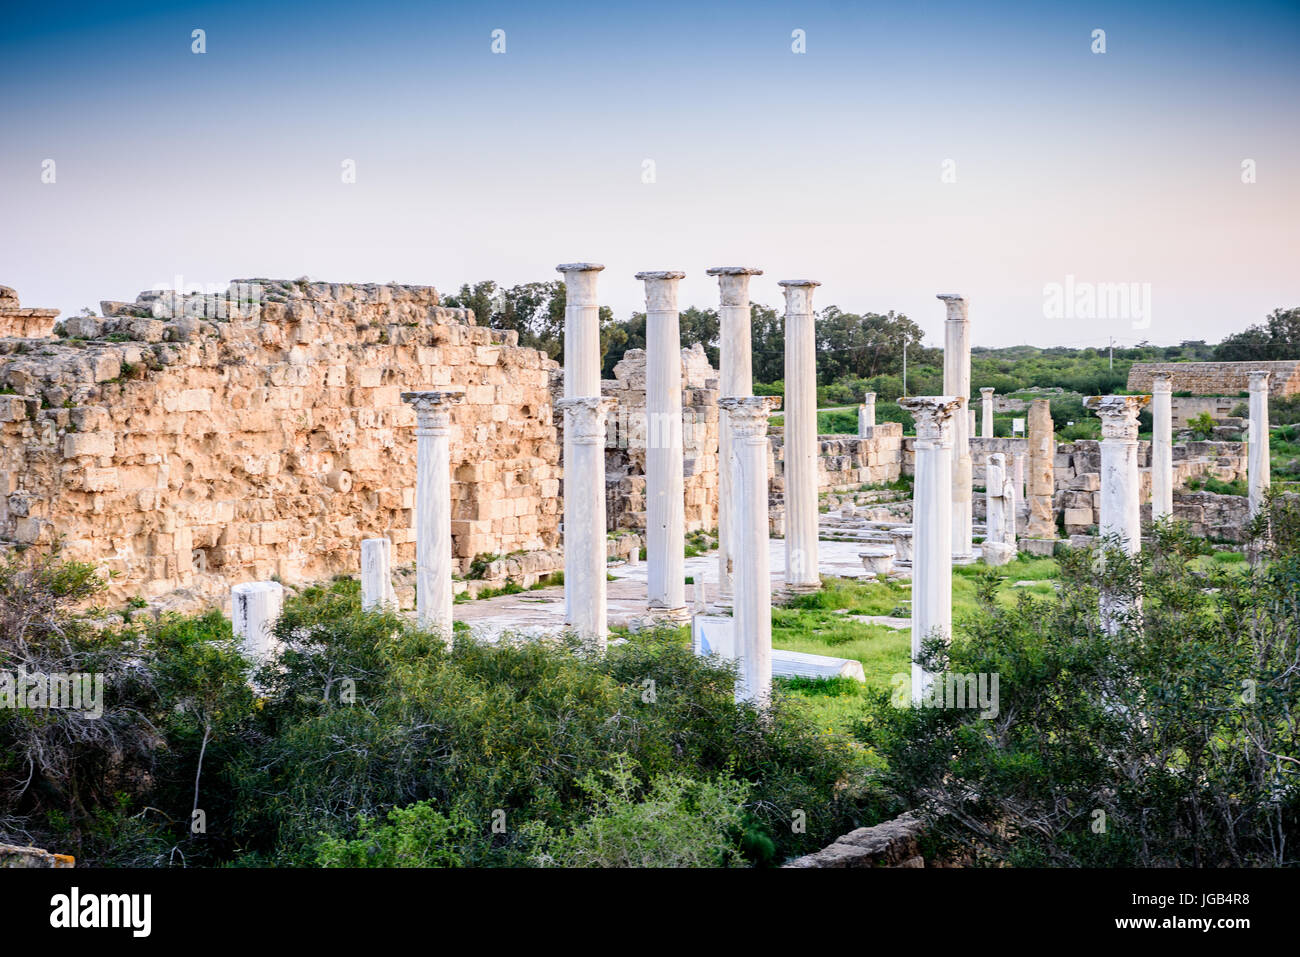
(846, 461)
(1216, 378)
(13, 856)
(893, 843)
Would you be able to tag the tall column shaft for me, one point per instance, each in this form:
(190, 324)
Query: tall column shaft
(1258, 468)
(753, 582)
(932, 507)
(986, 407)
(584, 522)
(433, 546)
(735, 378)
(1121, 513)
(665, 502)
(801, 446)
(956, 382)
(1017, 491)
(581, 377)
(1162, 448)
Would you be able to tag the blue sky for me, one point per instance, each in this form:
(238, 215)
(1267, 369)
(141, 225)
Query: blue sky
(1116, 167)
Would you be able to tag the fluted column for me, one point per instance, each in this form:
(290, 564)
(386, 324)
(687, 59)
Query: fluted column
(956, 382)
(800, 436)
(986, 407)
(433, 551)
(735, 378)
(665, 502)
(1258, 474)
(581, 376)
(932, 525)
(1121, 513)
(254, 609)
(376, 574)
(1162, 447)
(584, 522)
(1017, 489)
(867, 416)
(753, 583)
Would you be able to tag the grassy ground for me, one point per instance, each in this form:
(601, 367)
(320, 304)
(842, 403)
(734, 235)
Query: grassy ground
(824, 624)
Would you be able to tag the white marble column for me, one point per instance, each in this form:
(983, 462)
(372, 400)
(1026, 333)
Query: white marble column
(433, 547)
(1162, 447)
(581, 371)
(254, 609)
(735, 378)
(1121, 513)
(956, 382)
(584, 523)
(932, 525)
(664, 494)
(753, 582)
(801, 445)
(1017, 489)
(1258, 467)
(376, 574)
(867, 415)
(986, 407)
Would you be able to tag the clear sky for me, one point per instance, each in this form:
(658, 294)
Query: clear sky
(1115, 167)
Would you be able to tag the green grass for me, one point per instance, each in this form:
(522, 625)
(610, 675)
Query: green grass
(819, 624)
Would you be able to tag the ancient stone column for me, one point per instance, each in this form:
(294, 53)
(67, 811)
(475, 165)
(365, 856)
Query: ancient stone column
(735, 378)
(1017, 488)
(664, 493)
(376, 574)
(584, 517)
(956, 381)
(753, 582)
(1258, 472)
(999, 545)
(1121, 513)
(433, 548)
(867, 415)
(986, 407)
(932, 525)
(254, 609)
(1162, 447)
(581, 373)
(801, 446)
(1040, 526)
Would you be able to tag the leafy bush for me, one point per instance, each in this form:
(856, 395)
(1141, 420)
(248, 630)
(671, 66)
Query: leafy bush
(678, 823)
(1165, 738)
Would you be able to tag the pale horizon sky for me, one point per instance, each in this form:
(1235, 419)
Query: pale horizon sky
(1115, 167)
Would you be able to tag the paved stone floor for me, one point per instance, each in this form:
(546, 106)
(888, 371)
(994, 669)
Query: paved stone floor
(542, 612)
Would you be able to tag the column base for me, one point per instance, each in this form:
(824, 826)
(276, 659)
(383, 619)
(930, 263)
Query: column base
(1039, 547)
(676, 616)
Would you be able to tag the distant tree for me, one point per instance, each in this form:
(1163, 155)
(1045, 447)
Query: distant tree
(1278, 337)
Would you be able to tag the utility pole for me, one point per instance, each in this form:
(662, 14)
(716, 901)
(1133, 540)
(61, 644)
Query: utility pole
(905, 367)
(1112, 353)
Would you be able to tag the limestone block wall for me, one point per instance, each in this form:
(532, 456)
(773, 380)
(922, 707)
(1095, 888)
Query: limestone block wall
(625, 443)
(184, 447)
(1216, 378)
(1078, 476)
(845, 461)
(17, 322)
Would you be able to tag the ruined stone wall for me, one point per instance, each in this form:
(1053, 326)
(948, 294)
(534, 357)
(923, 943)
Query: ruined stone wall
(1078, 477)
(195, 442)
(1216, 378)
(846, 461)
(23, 323)
(625, 442)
